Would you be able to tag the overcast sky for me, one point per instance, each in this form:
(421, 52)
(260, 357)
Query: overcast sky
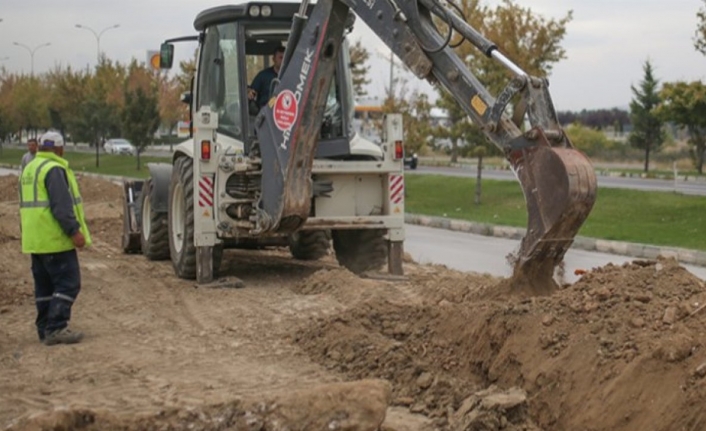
(607, 41)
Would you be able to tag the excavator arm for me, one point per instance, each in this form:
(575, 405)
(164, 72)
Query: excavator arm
(558, 181)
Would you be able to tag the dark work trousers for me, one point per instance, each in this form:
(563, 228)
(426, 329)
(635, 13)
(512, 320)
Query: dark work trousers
(57, 281)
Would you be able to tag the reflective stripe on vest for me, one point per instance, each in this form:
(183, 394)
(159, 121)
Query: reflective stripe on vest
(42, 204)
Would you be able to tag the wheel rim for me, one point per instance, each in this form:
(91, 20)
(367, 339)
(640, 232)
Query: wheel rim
(177, 216)
(146, 217)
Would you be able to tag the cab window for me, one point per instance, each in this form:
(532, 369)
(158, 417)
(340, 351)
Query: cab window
(219, 78)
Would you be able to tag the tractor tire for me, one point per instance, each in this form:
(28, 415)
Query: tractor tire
(360, 250)
(309, 244)
(181, 222)
(154, 232)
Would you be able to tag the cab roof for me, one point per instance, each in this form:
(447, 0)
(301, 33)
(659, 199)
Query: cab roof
(220, 14)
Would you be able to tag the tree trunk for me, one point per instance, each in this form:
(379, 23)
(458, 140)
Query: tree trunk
(478, 179)
(647, 158)
(96, 139)
(454, 150)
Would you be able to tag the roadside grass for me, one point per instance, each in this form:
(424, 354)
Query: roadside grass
(110, 164)
(657, 170)
(658, 218)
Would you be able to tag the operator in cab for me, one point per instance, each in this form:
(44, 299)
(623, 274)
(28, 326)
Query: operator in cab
(259, 90)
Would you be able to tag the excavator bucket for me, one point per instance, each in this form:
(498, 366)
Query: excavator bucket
(559, 184)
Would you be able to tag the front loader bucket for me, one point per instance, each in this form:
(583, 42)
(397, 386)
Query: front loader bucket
(131, 216)
(559, 185)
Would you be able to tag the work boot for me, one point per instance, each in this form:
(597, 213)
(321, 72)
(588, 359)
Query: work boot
(63, 336)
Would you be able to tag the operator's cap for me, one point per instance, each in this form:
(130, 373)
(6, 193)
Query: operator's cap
(51, 140)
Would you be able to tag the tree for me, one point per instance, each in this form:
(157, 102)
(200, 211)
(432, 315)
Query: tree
(96, 118)
(416, 118)
(700, 34)
(359, 69)
(67, 93)
(530, 40)
(8, 123)
(29, 104)
(596, 118)
(460, 130)
(647, 133)
(590, 141)
(187, 70)
(685, 105)
(171, 108)
(140, 116)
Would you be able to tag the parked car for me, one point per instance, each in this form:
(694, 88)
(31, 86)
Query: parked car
(411, 161)
(119, 146)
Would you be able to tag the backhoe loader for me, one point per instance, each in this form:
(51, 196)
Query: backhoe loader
(294, 170)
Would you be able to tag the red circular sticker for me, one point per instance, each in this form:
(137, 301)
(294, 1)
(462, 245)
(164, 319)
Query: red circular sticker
(285, 110)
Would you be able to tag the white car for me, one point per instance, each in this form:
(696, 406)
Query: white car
(119, 146)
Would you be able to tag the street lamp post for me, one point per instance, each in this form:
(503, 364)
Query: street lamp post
(31, 51)
(98, 37)
(393, 64)
(98, 60)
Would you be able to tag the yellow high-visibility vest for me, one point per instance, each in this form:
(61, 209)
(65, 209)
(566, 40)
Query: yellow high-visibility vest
(41, 232)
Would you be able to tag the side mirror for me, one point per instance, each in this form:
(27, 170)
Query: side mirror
(166, 56)
(186, 97)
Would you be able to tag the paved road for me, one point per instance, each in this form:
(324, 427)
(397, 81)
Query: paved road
(477, 253)
(691, 188)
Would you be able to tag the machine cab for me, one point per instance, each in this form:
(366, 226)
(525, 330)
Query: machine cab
(236, 42)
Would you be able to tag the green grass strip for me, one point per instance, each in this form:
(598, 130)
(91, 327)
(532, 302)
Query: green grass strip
(109, 164)
(658, 218)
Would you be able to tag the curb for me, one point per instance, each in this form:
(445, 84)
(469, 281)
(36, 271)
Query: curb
(646, 251)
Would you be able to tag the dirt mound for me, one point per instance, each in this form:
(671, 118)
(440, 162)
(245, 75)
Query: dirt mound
(627, 337)
(8, 188)
(99, 190)
(327, 280)
(358, 406)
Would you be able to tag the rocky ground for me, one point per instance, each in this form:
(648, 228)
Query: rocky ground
(311, 346)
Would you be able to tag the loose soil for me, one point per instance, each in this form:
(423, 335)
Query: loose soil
(311, 346)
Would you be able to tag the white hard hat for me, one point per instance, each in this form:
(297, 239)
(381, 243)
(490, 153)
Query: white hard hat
(51, 140)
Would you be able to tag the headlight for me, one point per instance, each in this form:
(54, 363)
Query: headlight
(266, 10)
(254, 10)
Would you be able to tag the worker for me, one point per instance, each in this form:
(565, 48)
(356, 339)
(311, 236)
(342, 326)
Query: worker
(53, 227)
(31, 151)
(259, 90)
